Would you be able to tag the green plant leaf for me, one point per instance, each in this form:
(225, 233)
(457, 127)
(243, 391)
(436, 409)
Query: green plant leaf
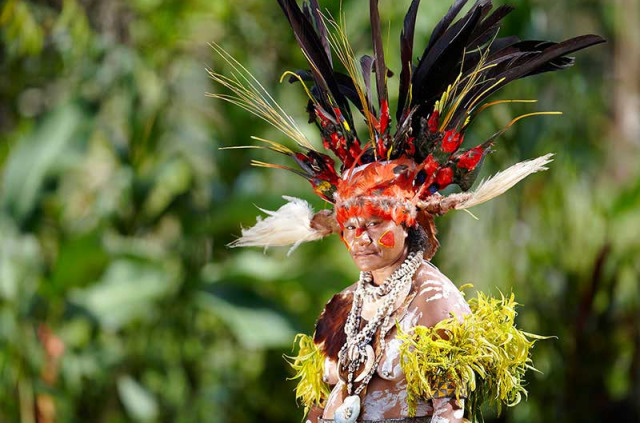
(35, 158)
(128, 290)
(139, 403)
(254, 326)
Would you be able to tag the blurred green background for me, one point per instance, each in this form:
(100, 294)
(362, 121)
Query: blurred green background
(119, 301)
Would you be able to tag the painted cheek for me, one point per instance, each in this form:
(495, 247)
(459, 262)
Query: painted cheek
(387, 240)
(345, 242)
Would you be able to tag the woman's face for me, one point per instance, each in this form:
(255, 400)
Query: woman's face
(374, 243)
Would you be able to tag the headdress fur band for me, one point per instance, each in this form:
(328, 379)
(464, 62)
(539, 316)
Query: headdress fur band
(292, 224)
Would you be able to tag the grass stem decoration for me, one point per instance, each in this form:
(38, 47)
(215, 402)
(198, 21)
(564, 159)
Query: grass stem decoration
(484, 357)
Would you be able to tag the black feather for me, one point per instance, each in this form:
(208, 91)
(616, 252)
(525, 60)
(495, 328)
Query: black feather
(519, 60)
(489, 23)
(406, 56)
(366, 63)
(528, 58)
(440, 65)
(345, 85)
(311, 45)
(378, 51)
(348, 89)
(444, 23)
(320, 27)
(472, 58)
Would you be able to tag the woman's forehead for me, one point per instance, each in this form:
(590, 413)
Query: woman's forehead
(360, 219)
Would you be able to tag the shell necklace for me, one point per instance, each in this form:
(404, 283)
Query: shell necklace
(357, 350)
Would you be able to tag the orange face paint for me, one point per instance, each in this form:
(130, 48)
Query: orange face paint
(359, 232)
(345, 242)
(387, 240)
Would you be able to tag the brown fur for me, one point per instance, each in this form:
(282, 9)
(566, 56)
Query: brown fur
(330, 334)
(427, 222)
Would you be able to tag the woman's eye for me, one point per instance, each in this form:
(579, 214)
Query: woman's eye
(370, 224)
(351, 227)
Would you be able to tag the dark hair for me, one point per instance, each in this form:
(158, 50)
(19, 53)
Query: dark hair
(417, 239)
(423, 237)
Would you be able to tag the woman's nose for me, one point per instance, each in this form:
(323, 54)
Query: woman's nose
(362, 237)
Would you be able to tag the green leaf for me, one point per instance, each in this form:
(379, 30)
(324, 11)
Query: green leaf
(173, 179)
(128, 290)
(139, 403)
(34, 159)
(255, 327)
(19, 263)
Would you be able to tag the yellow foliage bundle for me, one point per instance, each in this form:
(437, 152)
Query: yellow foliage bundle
(485, 356)
(309, 367)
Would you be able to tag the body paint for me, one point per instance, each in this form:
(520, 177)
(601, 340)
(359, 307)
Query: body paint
(387, 240)
(349, 246)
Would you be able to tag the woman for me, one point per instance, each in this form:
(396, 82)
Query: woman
(401, 343)
(367, 336)
(379, 248)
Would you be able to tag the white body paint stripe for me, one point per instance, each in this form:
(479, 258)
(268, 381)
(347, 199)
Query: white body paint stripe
(434, 297)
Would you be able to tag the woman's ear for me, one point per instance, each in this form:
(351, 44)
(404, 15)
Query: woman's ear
(406, 230)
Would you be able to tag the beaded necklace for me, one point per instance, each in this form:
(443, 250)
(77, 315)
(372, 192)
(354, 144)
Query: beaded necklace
(357, 350)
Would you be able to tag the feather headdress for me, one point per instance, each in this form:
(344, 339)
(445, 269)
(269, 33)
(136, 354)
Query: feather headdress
(396, 172)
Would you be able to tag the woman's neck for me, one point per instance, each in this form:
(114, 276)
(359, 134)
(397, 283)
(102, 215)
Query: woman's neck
(381, 275)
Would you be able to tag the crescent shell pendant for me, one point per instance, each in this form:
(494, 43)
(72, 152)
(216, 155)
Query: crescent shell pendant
(368, 365)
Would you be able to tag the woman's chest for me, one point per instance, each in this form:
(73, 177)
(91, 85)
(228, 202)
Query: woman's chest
(388, 366)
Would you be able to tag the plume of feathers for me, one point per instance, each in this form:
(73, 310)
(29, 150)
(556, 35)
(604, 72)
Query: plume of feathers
(308, 365)
(503, 181)
(440, 94)
(289, 225)
(464, 62)
(487, 190)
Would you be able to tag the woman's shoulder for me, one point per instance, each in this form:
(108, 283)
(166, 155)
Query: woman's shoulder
(437, 298)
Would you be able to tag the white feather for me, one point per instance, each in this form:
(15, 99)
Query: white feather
(289, 225)
(502, 181)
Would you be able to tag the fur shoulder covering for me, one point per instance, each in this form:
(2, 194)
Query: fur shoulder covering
(330, 334)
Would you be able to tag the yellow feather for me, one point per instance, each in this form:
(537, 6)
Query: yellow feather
(299, 78)
(274, 145)
(249, 94)
(343, 50)
(493, 103)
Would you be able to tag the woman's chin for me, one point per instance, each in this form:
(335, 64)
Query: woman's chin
(368, 263)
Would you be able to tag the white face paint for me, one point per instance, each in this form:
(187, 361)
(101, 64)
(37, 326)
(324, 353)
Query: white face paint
(423, 408)
(458, 414)
(441, 409)
(441, 406)
(462, 304)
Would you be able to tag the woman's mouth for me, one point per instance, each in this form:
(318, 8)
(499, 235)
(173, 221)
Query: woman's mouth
(364, 254)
